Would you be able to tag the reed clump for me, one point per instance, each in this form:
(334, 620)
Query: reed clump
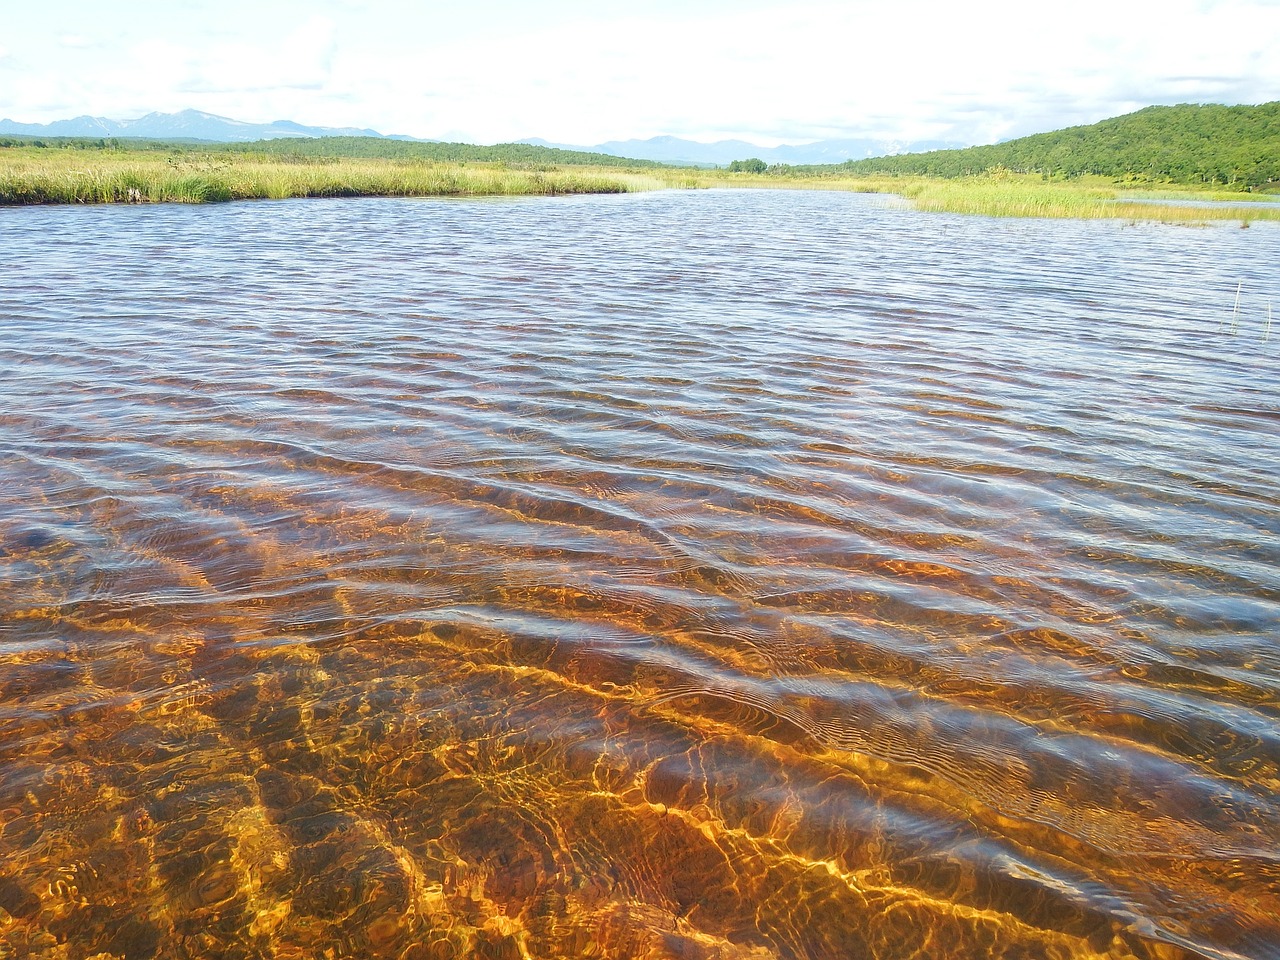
(36, 176)
(1017, 196)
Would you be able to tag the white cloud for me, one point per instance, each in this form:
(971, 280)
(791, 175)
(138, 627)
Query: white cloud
(581, 72)
(256, 76)
(804, 72)
(301, 60)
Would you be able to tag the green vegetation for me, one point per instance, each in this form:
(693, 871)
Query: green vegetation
(34, 175)
(512, 154)
(1236, 147)
(1004, 194)
(1137, 167)
(1090, 198)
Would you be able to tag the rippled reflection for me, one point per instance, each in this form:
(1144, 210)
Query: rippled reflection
(723, 575)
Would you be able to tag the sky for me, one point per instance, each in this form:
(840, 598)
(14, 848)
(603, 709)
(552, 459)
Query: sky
(588, 71)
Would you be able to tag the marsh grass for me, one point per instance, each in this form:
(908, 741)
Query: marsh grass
(1014, 196)
(34, 176)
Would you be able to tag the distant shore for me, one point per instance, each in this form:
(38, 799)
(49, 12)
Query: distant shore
(32, 175)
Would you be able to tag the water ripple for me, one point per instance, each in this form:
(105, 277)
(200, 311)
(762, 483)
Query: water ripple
(731, 575)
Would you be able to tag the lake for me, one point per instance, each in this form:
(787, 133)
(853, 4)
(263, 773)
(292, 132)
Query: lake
(721, 574)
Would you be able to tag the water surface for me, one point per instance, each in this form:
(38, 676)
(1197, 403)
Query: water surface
(690, 575)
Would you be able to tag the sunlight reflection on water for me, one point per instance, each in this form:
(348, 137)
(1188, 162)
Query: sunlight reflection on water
(682, 575)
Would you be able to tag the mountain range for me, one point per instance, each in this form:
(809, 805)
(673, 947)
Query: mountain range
(184, 125)
(197, 125)
(682, 153)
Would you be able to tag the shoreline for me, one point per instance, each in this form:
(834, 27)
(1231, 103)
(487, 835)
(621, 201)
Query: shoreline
(31, 176)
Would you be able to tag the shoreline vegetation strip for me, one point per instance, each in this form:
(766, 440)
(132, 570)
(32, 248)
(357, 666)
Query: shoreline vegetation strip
(32, 175)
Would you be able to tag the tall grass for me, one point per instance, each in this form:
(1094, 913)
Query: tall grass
(36, 176)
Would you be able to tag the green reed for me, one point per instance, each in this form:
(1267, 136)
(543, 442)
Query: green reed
(1014, 196)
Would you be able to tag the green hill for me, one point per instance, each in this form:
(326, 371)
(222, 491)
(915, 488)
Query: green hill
(1188, 144)
(369, 148)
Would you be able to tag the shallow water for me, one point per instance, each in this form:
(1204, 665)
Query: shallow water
(698, 575)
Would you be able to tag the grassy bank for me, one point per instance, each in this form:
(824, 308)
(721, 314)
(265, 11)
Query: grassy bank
(1003, 194)
(37, 176)
(1092, 198)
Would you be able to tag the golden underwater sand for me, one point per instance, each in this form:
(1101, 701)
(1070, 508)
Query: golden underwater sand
(712, 576)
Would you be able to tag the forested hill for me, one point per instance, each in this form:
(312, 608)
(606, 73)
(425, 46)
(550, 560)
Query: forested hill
(521, 154)
(377, 147)
(1189, 143)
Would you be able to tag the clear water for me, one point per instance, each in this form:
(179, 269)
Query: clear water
(698, 575)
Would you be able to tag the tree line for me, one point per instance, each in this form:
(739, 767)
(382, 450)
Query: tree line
(307, 148)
